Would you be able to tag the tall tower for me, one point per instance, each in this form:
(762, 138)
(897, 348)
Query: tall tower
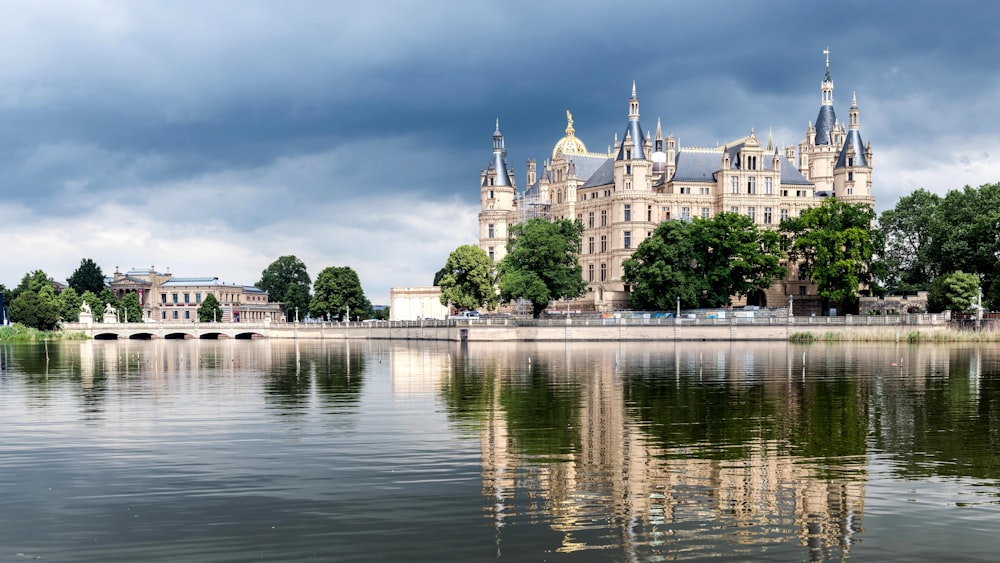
(496, 194)
(852, 177)
(818, 153)
(632, 165)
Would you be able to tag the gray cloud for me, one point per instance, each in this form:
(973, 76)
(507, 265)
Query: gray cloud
(322, 128)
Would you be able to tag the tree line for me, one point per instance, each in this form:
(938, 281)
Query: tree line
(948, 246)
(35, 303)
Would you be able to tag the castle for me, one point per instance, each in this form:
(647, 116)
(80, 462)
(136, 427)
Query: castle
(622, 195)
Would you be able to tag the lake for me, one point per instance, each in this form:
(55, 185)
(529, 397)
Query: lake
(423, 451)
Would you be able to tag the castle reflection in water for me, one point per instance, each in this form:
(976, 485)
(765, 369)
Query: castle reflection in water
(629, 446)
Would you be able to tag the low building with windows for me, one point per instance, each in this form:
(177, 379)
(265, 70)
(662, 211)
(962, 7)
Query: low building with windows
(167, 298)
(621, 195)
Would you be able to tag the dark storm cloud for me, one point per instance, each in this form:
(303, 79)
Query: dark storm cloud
(251, 113)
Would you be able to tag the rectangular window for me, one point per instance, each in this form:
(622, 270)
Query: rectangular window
(752, 213)
(604, 272)
(628, 212)
(768, 185)
(187, 298)
(665, 212)
(734, 185)
(163, 298)
(604, 243)
(163, 315)
(705, 191)
(175, 297)
(590, 272)
(802, 290)
(175, 314)
(752, 185)
(604, 217)
(197, 298)
(767, 215)
(187, 314)
(491, 230)
(628, 239)
(734, 209)
(491, 254)
(491, 191)
(590, 219)
(590, 245)
(685, 214)
(704, 213)
(783, 214)
(649, 213)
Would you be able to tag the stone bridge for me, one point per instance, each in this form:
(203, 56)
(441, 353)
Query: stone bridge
(170, 330)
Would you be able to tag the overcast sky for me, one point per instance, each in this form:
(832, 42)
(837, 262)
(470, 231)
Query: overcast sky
(211, 138)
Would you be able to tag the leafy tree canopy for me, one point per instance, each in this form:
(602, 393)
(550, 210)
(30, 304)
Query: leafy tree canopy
(336, 290)
(131, 309)
(88, 277)
(286, 280)
(957, 291)
(69, 305)
(542, 263)
(908, 231)
(836, 244)
(32, 281)
(704, 263)
(35, 310)
(469, 279)
(209, 310)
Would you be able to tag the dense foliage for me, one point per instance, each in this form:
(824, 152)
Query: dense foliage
(957, 291)
(542, 263)
(835, 245)
(468, 279)
(338, 291)
(928, 236)
(209, 310)
(286, 280)
(88, 277)
(704, 263)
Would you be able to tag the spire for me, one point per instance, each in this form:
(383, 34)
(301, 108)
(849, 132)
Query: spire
(659, 130)
(499, 161)
(826, 121)
(633, 129)
(853, 152)
(770, 139)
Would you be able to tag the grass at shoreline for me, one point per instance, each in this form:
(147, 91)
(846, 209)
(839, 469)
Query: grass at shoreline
(20, 333)
(940, 335)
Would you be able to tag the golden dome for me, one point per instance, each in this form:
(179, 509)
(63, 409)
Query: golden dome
(569, 144)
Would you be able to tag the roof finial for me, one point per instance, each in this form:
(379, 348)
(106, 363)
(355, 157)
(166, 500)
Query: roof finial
(854, 99)
(633, 88)
(827, 53)
(569, 124)
(498, 125)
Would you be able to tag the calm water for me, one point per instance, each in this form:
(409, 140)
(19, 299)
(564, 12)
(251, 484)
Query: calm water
(284, 451)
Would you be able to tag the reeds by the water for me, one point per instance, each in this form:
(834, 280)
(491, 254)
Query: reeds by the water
(887, 334)
(20, 333)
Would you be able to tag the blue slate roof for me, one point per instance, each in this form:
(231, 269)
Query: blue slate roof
(824, 124)
(701, 166)
(605, 174)
(853, 141)
(635, 130)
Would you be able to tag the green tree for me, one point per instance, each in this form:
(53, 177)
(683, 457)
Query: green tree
(542, 263)
(836, 245)
(908, 231)
(957, 291)
(663, 269)
(336, 290)
(705, 263)
(469, 279)
(69, 305)
(35, 310)
(88, 277)
(437, 277)
(106, 297)
(131, 309)
(209, 310)
(286, 280)
(32, 281)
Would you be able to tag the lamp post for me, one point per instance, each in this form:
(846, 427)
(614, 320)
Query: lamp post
(296, 314)
(678, 307)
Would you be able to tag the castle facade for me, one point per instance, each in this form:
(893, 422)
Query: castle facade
(621, 195)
